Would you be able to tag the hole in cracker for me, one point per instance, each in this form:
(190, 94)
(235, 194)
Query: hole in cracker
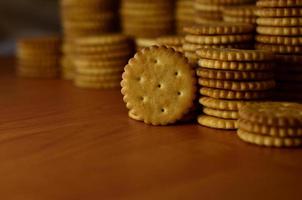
(159, 85)
(179, 93)
(163, 110)
(176, 73)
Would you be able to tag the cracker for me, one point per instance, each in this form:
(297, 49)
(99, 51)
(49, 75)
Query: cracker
(98, 78)
(203, 20)
(235, 54)
(209, 16)
(220, 104)
(208, 7)
(237, 85)
(107, 39)
(224, 114)
(100, 49)
(246, 20)
(279, 3)
(170, 40)
(219, 39)
(281, 114)
(193, 47)
(106, 56)
(233, 75)
(234, 95)
(282, 49)
(102, 72)
(219, 28)
(280, 40)
(281, 31)
(279, 12)
(39, 43)
(289, 76)
(269, 130)
(225, 2)
(159, 85)
(293, 59)
(268, 141)
(100, 64)
(235, 65)
(285, 21)
(241, 10)
(218, 123)
(96, 85)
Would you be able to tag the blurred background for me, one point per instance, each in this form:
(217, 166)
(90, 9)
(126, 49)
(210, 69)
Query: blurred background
(20, 18)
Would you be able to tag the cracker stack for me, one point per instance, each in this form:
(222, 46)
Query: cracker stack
(218, 35)
(174, 42)
(100, 60)
(280, 31)
(211, 10)
(242, 13)
(147, 19)
(184, 14)
(85, 18)
(229, 79)
(271, 124)
(39, 57)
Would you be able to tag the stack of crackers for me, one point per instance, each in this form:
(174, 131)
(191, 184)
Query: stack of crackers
(100, 60)
(184, 15)
(175, 42)
(280, 31)
(147, 19)
(84, 18)
(211, 10)
(218, 35)
(242, 13)
(230, 78)
(271, 124)
(39, 57)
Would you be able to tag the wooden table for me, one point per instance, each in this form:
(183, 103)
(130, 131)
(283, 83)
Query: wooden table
(58, 142)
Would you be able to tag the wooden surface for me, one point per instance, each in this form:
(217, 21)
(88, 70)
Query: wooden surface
(58, 142)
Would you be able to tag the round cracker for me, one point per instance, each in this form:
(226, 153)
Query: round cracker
(220, 104)
(235, 65)
(279, 3)
(281, 114)
(219, 39)
(279, 40)
(219, 28)
(281, 49)
(233, 75)
(282, 21)
(241, 10)
(269, 130)
(224, 114)
(238, 85)
(279, 12)
(218, 123)
(159, 85)
(280, 31)
(234, 95)
(268, 141)
(235, 54)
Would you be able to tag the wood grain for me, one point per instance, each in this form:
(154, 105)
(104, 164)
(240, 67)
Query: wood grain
(60, 142)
